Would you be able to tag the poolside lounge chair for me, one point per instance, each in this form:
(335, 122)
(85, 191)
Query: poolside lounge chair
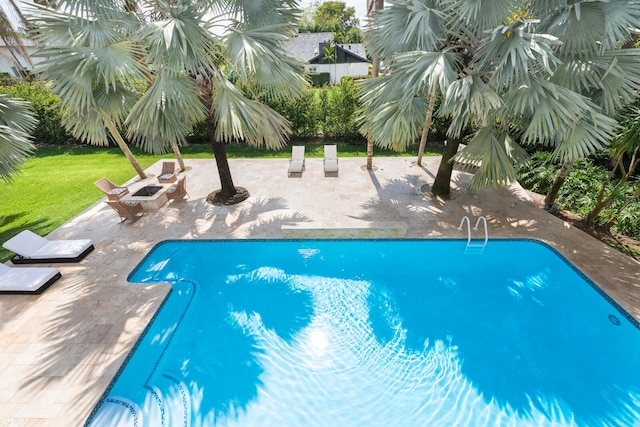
(296, 163)
(168, 173)
(178, 190)
(31, 248)
(126, 210)
(112, 191)
(26, 280)
(330, 160)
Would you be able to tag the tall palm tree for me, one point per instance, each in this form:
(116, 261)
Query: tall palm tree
(508, 72)
(93, 66)
(198, 55)
(16, 123)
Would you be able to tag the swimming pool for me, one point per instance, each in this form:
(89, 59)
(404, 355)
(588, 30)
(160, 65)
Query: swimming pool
(375, 333)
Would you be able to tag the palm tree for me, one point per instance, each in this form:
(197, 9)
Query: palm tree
(16, 123)
(508, 72)
(93, 66)
(198, 55)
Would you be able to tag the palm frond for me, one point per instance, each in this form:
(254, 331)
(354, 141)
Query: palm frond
(549, 108)
(178, 39)
(592, 27)
(74, 72)
(87, 126)
(512, 52)
(494, 154)
(478, 15)
(242, 119)
(166, 112)
(407, 25)
(389, 117)
(258, 55)
(59, 27)
(421, 72)
(589, 135)
(469, 98)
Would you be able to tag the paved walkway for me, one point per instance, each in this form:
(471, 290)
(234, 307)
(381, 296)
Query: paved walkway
(60, 350)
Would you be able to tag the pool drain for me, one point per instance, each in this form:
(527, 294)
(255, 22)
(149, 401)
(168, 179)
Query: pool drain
(613, 319)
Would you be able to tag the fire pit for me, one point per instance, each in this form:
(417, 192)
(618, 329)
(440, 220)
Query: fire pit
(149, 190)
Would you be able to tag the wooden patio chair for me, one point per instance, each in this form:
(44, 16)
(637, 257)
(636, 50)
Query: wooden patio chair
(168, 173)
(112, 191)
(178, 190)
(126, 210)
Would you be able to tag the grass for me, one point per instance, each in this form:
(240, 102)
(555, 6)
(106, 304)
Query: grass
(56, 184)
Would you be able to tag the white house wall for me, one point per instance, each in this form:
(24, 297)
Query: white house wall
(338, 71)
(9, 67)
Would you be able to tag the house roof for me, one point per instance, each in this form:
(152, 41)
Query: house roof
(305, 45)
(356, 49)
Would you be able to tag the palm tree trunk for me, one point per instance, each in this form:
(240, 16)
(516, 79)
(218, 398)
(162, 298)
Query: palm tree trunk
(228, 189)
(604, 202)
(375, 70)
(442, 183)
(427, 125)
(178, 154)
(111, 127)
(563, 173)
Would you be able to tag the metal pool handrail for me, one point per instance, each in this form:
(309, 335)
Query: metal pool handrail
(479, 246)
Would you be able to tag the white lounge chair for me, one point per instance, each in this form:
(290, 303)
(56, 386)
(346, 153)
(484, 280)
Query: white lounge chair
(31, 248)
(296, 163)
(330, 160)
(26, 280)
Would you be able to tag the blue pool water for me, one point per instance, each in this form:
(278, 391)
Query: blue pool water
(375, 333)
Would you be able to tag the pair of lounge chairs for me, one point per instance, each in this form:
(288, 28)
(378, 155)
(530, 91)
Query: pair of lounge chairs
(31, 249)
(297, 161)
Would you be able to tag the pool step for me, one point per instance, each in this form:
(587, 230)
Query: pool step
(174, 403)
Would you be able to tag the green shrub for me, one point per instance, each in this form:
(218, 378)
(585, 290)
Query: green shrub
(580, 191)
(342, 103)
(47, 110)
(320, 79)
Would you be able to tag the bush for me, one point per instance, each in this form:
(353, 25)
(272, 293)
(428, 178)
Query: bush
(341, 107)
(320, 79)
(46, 107)
(580, 191)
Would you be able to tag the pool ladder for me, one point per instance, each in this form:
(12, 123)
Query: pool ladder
(475, 246)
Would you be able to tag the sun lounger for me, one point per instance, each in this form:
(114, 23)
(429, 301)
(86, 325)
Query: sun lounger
(296, 163)
(26, 280)
(330, 160)
(31, 248)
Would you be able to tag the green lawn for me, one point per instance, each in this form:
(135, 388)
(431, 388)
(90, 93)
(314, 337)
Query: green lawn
(57, 183)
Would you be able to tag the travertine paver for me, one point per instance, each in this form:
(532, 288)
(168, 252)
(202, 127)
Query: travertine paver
(60, 350)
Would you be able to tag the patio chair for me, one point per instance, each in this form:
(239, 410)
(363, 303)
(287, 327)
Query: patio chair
(296, 163)
(26, 280)
(178, 190)
(330, 160)
(112, 191)
(168, 173)
(31, 248)
(126, 210)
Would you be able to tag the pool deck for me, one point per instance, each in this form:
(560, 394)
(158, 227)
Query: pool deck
(60, 350)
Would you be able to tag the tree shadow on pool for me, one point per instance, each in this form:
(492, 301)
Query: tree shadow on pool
(511, 349)
(224, 374)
